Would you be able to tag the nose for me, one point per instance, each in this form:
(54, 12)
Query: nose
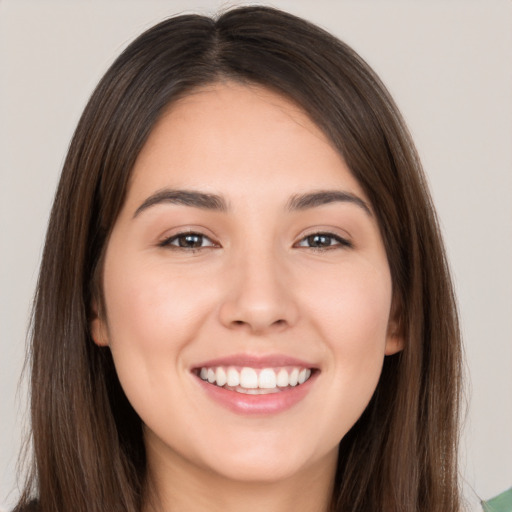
(259, 295)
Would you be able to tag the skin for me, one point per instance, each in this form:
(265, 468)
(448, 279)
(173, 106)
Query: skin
(256, 286)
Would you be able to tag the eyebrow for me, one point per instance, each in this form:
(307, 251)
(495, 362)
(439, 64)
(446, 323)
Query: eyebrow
(206, 201)
(185, 198)
(322, 197)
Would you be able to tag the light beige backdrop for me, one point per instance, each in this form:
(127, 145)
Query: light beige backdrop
(449, 66)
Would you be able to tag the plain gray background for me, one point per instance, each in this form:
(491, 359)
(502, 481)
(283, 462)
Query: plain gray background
(448, 65)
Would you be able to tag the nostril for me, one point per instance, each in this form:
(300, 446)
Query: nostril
(280, 322)
(275, 324)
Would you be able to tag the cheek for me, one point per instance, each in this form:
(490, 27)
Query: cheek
(352, 307)
(149, 308)
(352, 310)
(150, 320)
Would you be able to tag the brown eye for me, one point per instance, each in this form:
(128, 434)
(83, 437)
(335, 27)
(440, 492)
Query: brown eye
(188, 241)
(323, 241)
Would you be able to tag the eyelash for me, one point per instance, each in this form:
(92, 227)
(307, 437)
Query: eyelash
(168, 242)
(339, 242)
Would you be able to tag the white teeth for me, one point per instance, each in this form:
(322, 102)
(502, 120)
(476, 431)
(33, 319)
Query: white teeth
(221, 377)
(294, 377)
(282, 378)
(255, 381)
(267, 379)
(233, 377)
(248, 378)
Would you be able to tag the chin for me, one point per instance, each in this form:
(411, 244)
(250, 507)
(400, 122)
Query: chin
(267, 461)
(259, 470)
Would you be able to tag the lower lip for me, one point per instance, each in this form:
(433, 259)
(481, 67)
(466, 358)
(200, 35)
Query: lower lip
(271, 403)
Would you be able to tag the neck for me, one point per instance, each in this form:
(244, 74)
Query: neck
(178, 486)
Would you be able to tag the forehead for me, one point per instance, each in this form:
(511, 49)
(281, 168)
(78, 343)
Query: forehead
(239, 135)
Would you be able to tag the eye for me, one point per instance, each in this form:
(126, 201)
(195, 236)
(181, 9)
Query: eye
(188, 240)
(323, 241)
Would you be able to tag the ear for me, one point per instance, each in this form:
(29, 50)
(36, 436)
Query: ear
(395, 337)
(394, 344)
(98, 326)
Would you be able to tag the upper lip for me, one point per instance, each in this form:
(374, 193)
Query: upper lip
(256, 361)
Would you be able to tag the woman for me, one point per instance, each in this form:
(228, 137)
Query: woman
(243, 301)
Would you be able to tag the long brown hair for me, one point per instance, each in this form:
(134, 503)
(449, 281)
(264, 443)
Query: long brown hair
(87, 440)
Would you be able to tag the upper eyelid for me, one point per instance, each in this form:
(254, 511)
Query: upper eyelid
(335, 232)
(186, 229)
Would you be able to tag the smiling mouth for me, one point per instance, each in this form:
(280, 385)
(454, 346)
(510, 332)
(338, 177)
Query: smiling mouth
(255, 381)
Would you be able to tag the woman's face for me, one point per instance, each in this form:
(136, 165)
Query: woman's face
(247, 290)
